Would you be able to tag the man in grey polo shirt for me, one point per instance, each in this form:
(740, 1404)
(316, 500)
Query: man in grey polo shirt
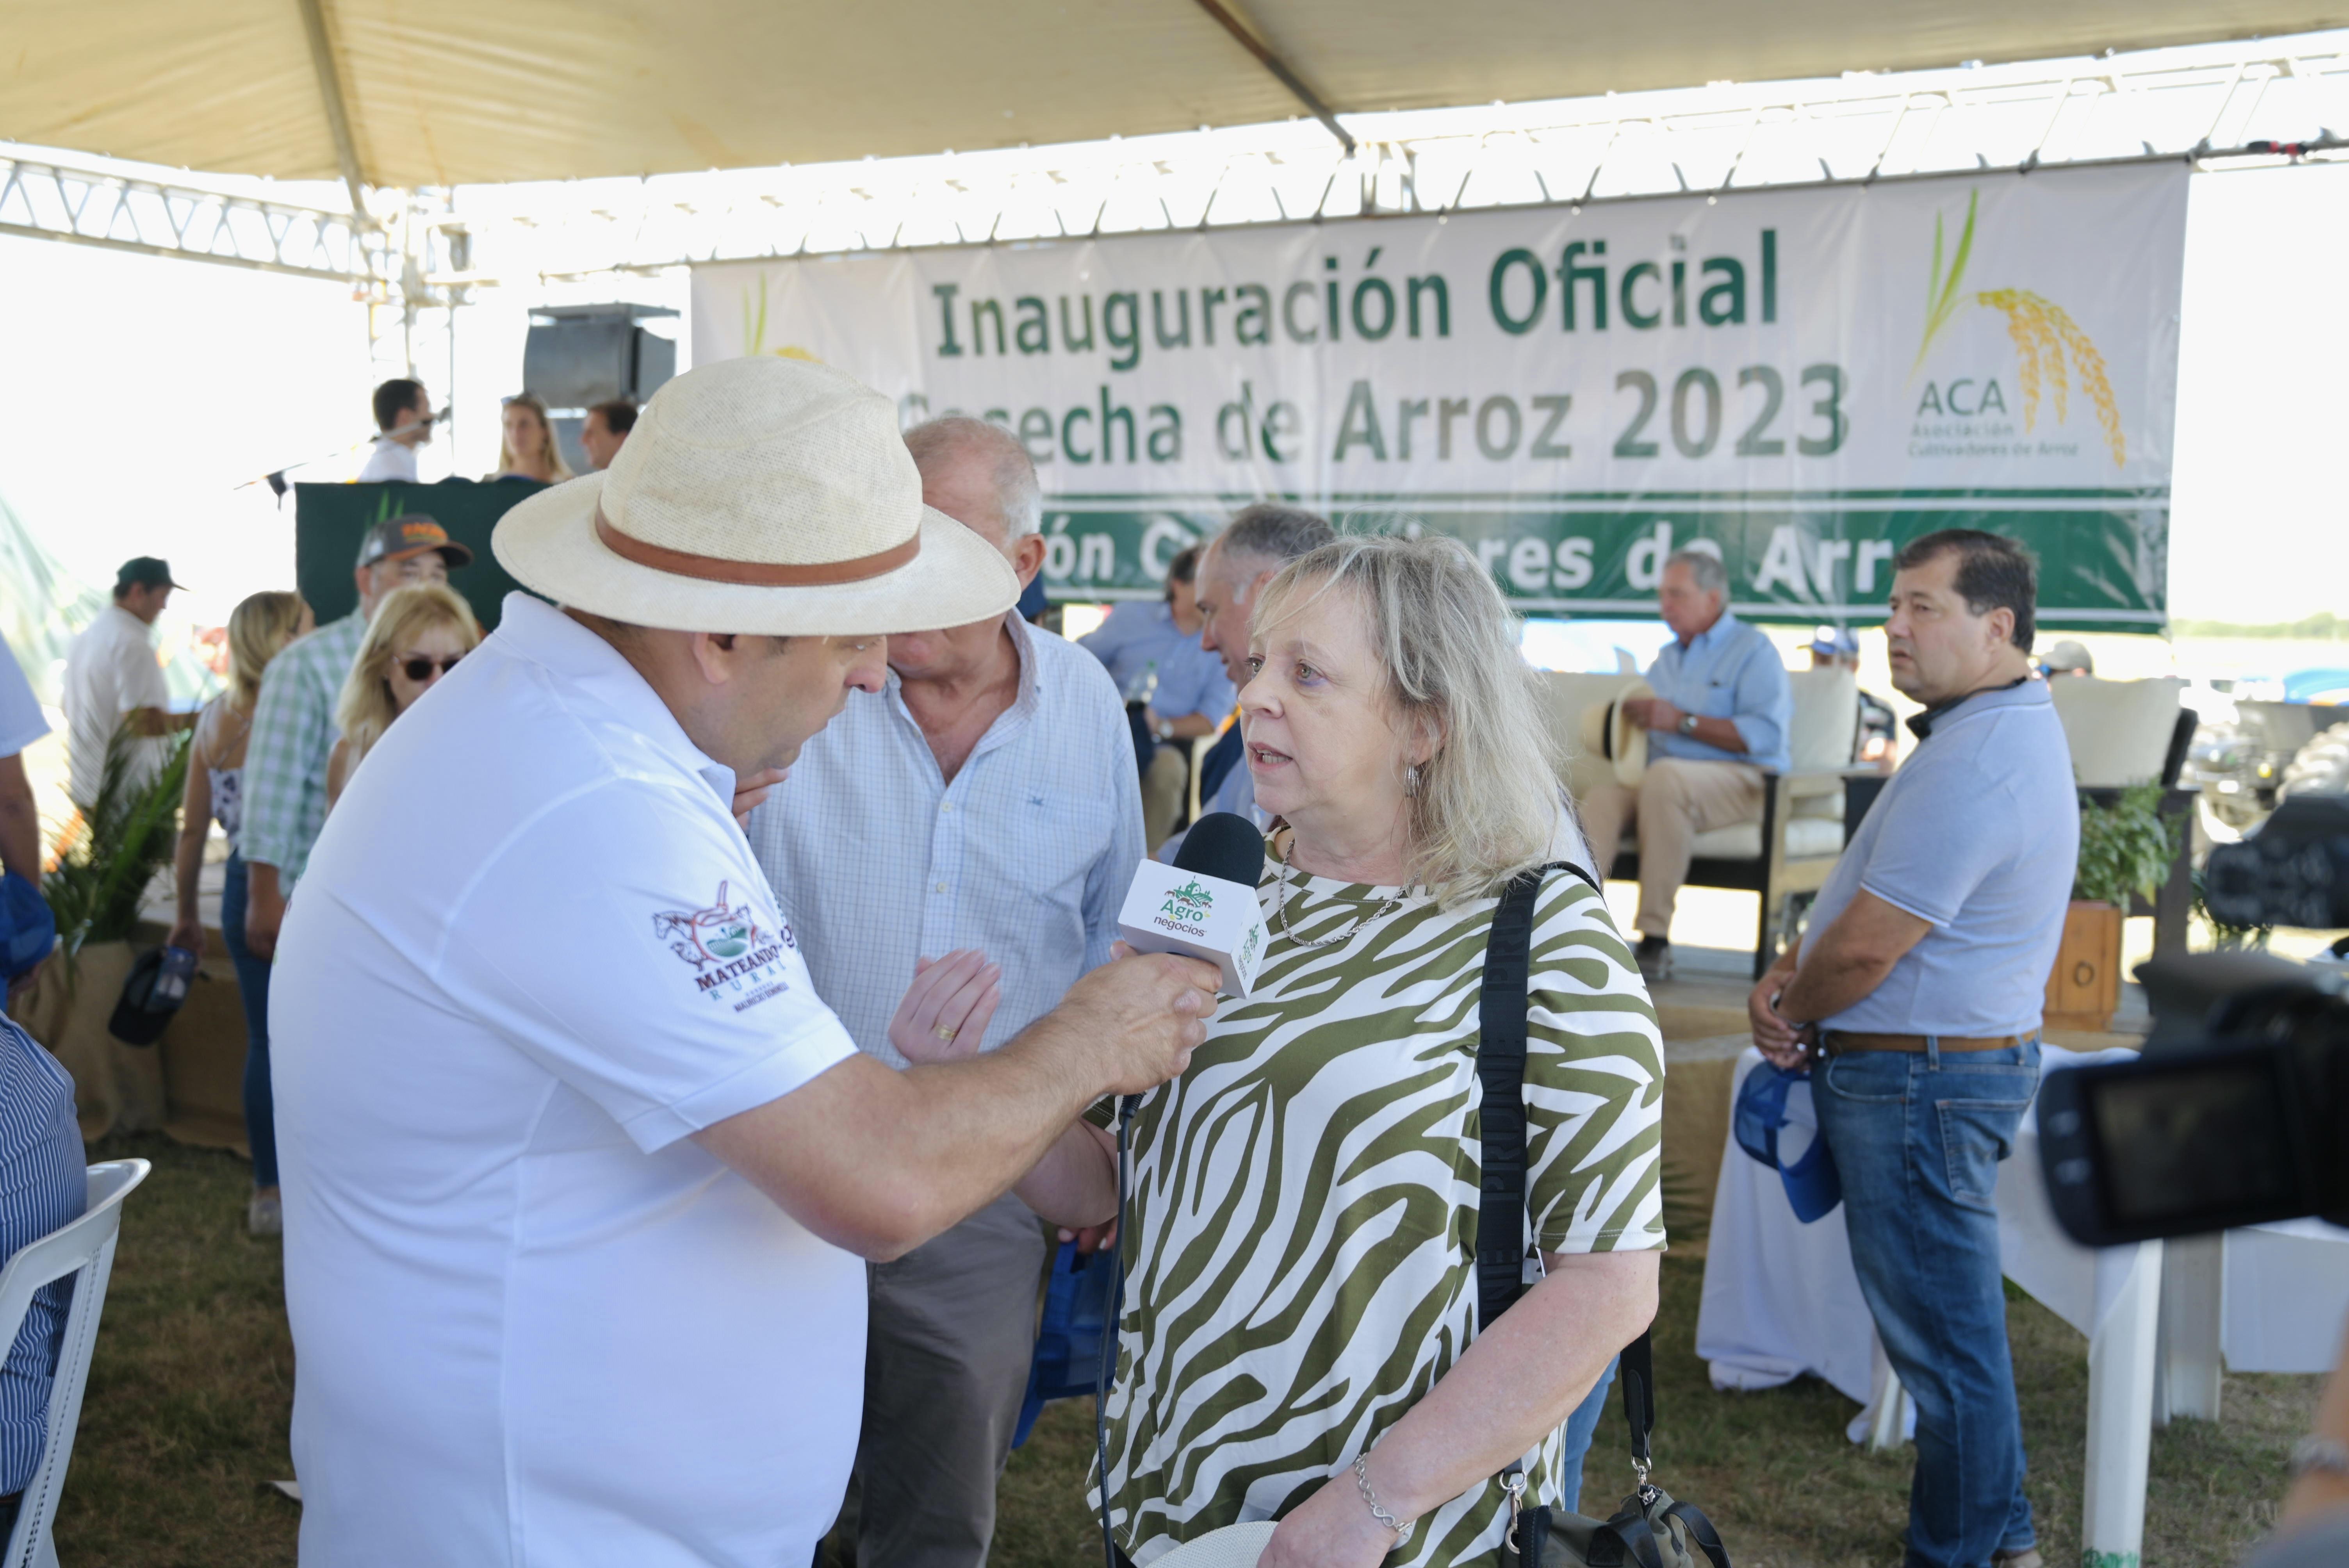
(1917, 997)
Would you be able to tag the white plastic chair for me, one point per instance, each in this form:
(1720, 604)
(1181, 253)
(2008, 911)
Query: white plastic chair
(86, 1248)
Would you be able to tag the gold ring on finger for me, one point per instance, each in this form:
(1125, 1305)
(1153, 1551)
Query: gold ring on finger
(945, 1033)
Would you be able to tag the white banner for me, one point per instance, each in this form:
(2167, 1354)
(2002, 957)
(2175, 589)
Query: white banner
(1804, 376)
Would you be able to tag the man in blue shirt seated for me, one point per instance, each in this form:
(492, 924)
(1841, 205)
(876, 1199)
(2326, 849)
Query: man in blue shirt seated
(1719, 716)
(43, 1188)
(1190, 695)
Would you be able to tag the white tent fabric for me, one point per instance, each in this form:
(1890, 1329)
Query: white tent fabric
(442, 92)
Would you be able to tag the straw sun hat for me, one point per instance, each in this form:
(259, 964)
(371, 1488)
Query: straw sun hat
(1609, 735)
(760, 495)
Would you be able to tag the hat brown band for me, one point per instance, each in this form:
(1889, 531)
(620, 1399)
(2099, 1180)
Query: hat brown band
(753, 573)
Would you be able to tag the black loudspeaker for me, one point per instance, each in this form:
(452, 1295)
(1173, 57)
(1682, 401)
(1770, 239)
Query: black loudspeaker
(578, 356)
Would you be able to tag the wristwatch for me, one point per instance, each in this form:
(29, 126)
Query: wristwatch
(1687, 725)
(1165, 729)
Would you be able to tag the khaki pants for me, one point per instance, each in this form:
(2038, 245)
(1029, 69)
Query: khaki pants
(1163, 791)
(951, 1331)
(1675, 802)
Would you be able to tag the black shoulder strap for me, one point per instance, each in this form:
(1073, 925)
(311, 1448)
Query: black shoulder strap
(1501, 1209)
(1501, 1073)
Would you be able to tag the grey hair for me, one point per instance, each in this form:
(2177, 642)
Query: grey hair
(1274, 534)
(1487, 801)
(1704, 567)
(1018, 498)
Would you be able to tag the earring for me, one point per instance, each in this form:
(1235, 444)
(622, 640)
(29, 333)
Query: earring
(1411, 780)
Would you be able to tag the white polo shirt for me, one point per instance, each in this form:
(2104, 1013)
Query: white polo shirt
(533, 1321)
(110, 670)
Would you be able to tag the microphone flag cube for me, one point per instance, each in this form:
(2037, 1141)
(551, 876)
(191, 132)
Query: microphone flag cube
(1169, 909)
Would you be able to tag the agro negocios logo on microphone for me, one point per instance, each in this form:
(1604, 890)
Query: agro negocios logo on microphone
(1187, 908)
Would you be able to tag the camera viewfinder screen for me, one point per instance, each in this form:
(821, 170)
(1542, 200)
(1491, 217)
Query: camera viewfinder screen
(2210, 1140)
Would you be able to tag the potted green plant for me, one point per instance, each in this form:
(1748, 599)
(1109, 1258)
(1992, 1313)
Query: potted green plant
(103, 865)
(2127, 848)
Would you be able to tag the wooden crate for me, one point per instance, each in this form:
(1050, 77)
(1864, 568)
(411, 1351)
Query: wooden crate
(2085, 989)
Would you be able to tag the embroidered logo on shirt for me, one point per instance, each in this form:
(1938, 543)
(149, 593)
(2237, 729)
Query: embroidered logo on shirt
(730, 954)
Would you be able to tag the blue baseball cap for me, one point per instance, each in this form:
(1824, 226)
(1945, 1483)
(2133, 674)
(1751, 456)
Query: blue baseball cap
(1812, 1187)
(28, 929)
(1833, 641)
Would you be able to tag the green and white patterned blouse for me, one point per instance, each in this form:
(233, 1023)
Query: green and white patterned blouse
(1300, 1243)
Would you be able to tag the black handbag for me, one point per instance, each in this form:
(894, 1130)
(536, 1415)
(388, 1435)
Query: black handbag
(1650, 1530)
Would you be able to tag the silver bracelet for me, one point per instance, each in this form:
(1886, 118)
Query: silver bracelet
(2313, 1454)
(1402, 1528)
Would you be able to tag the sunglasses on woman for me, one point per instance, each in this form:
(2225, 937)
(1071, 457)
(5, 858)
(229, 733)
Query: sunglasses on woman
(420, 670)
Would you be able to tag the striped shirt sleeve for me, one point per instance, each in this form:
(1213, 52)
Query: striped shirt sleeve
(1594, 1083)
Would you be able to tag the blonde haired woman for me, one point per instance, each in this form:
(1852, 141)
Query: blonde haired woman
(1301, 1231)
(526, 445)
(258, 629)
(417, 636)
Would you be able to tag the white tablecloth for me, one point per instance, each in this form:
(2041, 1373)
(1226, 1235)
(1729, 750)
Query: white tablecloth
(1780, 1300)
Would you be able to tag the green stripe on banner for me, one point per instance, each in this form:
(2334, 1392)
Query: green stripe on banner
(1823, 556)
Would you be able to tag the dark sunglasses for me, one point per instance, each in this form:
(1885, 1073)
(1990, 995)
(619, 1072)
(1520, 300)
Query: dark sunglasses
(420, 670)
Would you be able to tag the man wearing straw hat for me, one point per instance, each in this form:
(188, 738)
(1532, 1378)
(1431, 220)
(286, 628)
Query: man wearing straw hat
(1714, 710)
(579, 1170)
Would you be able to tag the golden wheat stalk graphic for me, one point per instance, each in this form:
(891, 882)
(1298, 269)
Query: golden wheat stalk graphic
(2042, 332)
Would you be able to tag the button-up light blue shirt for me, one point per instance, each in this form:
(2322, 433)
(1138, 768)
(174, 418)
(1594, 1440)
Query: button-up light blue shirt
(1190, 678)
(1729, 670)
(1026, 855)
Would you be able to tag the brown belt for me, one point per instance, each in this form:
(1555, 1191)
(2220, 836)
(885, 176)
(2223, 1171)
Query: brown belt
(1840, 1042)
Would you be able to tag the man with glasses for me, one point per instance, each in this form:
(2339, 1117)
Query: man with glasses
(293, 721)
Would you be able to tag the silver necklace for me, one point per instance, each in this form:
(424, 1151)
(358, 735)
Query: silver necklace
(1280, 914)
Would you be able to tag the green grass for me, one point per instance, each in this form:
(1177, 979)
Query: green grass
(192, 1382)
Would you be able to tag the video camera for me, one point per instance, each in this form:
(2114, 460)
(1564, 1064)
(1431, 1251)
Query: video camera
(2237, 1113)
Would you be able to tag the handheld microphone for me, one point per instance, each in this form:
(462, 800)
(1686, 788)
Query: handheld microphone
(1205, 904)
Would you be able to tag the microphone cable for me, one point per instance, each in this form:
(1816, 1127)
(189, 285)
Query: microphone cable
(1107, 1372)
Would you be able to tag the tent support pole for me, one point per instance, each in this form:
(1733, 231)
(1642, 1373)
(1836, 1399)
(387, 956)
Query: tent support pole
(1270, 61)
(330, 92)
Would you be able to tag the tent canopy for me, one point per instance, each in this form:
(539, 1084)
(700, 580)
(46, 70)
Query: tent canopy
(442, 92)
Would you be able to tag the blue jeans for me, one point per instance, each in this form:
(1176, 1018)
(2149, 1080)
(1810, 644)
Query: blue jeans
(252, 986)
(1916, 1139)
(1575, 1447)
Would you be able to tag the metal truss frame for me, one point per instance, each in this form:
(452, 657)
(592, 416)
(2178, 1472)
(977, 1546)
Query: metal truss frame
(83, 207)
(2272, 101)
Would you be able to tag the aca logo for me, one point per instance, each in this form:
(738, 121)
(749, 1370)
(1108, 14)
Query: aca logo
(2052, 351)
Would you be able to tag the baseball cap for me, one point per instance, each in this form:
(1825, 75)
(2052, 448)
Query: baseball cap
(2067, 655)
(1813, 1186)
(1834, 641)
(146, 571)
(398, 537)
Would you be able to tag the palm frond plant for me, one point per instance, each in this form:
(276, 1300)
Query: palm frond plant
(2125, 847)
(100, 878)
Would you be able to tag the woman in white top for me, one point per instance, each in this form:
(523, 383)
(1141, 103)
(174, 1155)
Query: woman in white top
(257, 630)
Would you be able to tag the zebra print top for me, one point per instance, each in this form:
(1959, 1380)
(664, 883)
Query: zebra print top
(1300, 1239)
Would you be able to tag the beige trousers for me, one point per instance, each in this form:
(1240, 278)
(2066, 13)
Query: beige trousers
(1164, 789)
(1675, 802)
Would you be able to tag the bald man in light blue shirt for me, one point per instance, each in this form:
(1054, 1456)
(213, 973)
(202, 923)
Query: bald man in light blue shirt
(1719, 716)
